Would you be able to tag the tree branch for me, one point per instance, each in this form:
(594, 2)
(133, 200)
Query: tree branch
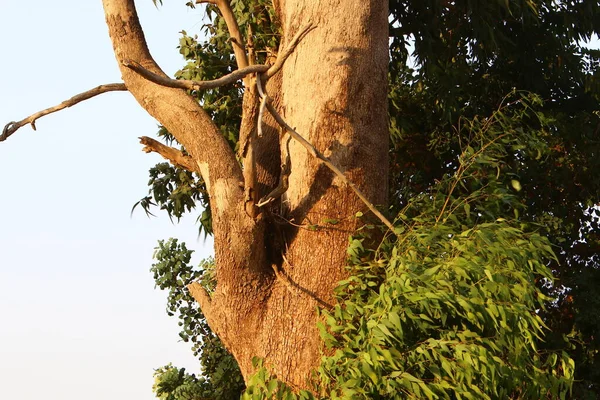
(175, 156)
(177, 111)
(202, 297)
(194, 85)
(283, 55)
(13, 126)
(236, 263)
(286, 170)
(234, 30)
(318, 155)
(165, 81)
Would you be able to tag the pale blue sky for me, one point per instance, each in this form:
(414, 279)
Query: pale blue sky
(79, 315)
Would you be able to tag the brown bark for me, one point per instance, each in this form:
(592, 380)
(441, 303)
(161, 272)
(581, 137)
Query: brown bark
(334, 94)
(333, 90)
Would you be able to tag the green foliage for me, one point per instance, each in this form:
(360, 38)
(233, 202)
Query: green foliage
(450, 307)
(467, 56)
(262, 385)
(221, 378)
(171, 383)
(449, 314)
(176, 191)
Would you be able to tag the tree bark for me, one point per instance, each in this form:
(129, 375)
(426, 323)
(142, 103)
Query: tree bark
(272, 272)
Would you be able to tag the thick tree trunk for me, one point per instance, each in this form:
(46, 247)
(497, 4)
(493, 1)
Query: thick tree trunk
(334, 93)
(272, 274)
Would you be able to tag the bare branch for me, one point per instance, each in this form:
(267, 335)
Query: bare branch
(194, 85)
(241, 73)
(202, 297)
(263, 105)
(284, 54)
(250, 46)
(315, 153)
(175, 156)
(234, 30)
(12, 127)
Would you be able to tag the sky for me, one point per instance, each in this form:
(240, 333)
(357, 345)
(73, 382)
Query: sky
(79, 314)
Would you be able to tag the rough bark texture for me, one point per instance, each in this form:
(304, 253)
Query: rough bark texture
(334, 93)
(333, 90)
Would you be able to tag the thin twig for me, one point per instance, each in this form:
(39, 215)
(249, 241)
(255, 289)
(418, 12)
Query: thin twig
(175, 156)
(268, 71)
(13, 126)
(194, 85)
(283, 55)
(284, 278)
(292, 223)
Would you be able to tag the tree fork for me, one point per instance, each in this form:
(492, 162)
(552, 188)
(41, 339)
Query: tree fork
(333, 89)
(243, 275)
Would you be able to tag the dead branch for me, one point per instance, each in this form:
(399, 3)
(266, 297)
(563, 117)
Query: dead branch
(284, 279)
(318, 155)
(13, 126)
(283, 55)
(263, 105)
(250, 46)
(194, 85)
(171, 154)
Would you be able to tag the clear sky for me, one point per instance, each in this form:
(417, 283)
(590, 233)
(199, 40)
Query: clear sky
(79, 315)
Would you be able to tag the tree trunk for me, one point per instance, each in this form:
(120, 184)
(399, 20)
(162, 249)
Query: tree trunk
(274, 267)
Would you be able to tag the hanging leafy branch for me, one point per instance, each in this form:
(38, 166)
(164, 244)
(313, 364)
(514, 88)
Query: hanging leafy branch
(221, 378)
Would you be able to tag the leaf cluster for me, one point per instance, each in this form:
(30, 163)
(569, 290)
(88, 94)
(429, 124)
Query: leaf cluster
(221, 377)
(456, 60)
(176, 191)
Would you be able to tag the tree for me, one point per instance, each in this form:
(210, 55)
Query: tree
(282, 214)
(251, 300)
